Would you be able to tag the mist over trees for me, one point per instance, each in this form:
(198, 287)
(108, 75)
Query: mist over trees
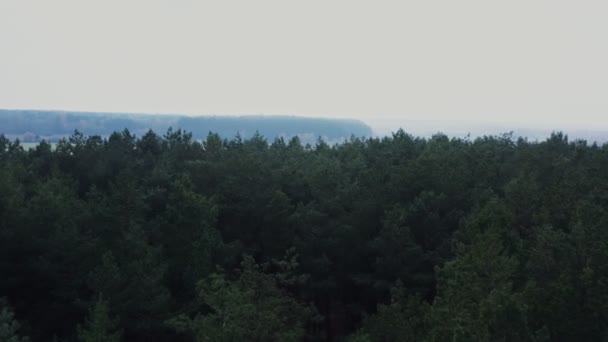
(165, 238)
(34, 126)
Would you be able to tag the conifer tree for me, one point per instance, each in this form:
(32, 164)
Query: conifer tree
(99, 326)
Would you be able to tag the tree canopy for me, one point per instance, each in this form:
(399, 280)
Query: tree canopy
(172, 238)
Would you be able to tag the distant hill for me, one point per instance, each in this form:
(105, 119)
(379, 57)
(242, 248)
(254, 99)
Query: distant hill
(36, 125)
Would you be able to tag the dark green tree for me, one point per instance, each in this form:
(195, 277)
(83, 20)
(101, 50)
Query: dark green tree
(251, 307)
(9, 327)
(99, 325)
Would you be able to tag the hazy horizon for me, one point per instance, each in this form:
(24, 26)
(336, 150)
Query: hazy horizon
(418, 127)
(524, 63)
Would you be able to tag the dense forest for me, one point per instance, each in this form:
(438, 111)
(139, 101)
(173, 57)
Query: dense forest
(165, 238)
(51, 126)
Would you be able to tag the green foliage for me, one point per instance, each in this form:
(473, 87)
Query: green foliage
(9, 326)
(392, 239)
(134, 287)
(99, 326)
(399, 256)
(405, 318)
(251, 307)
(477, 299)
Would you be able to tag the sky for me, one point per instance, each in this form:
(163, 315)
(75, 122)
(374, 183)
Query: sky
(531, 62)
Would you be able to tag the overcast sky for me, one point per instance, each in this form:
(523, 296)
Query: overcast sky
(517, 60)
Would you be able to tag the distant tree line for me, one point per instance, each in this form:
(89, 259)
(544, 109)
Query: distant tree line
(51, 126)
(164, 238)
